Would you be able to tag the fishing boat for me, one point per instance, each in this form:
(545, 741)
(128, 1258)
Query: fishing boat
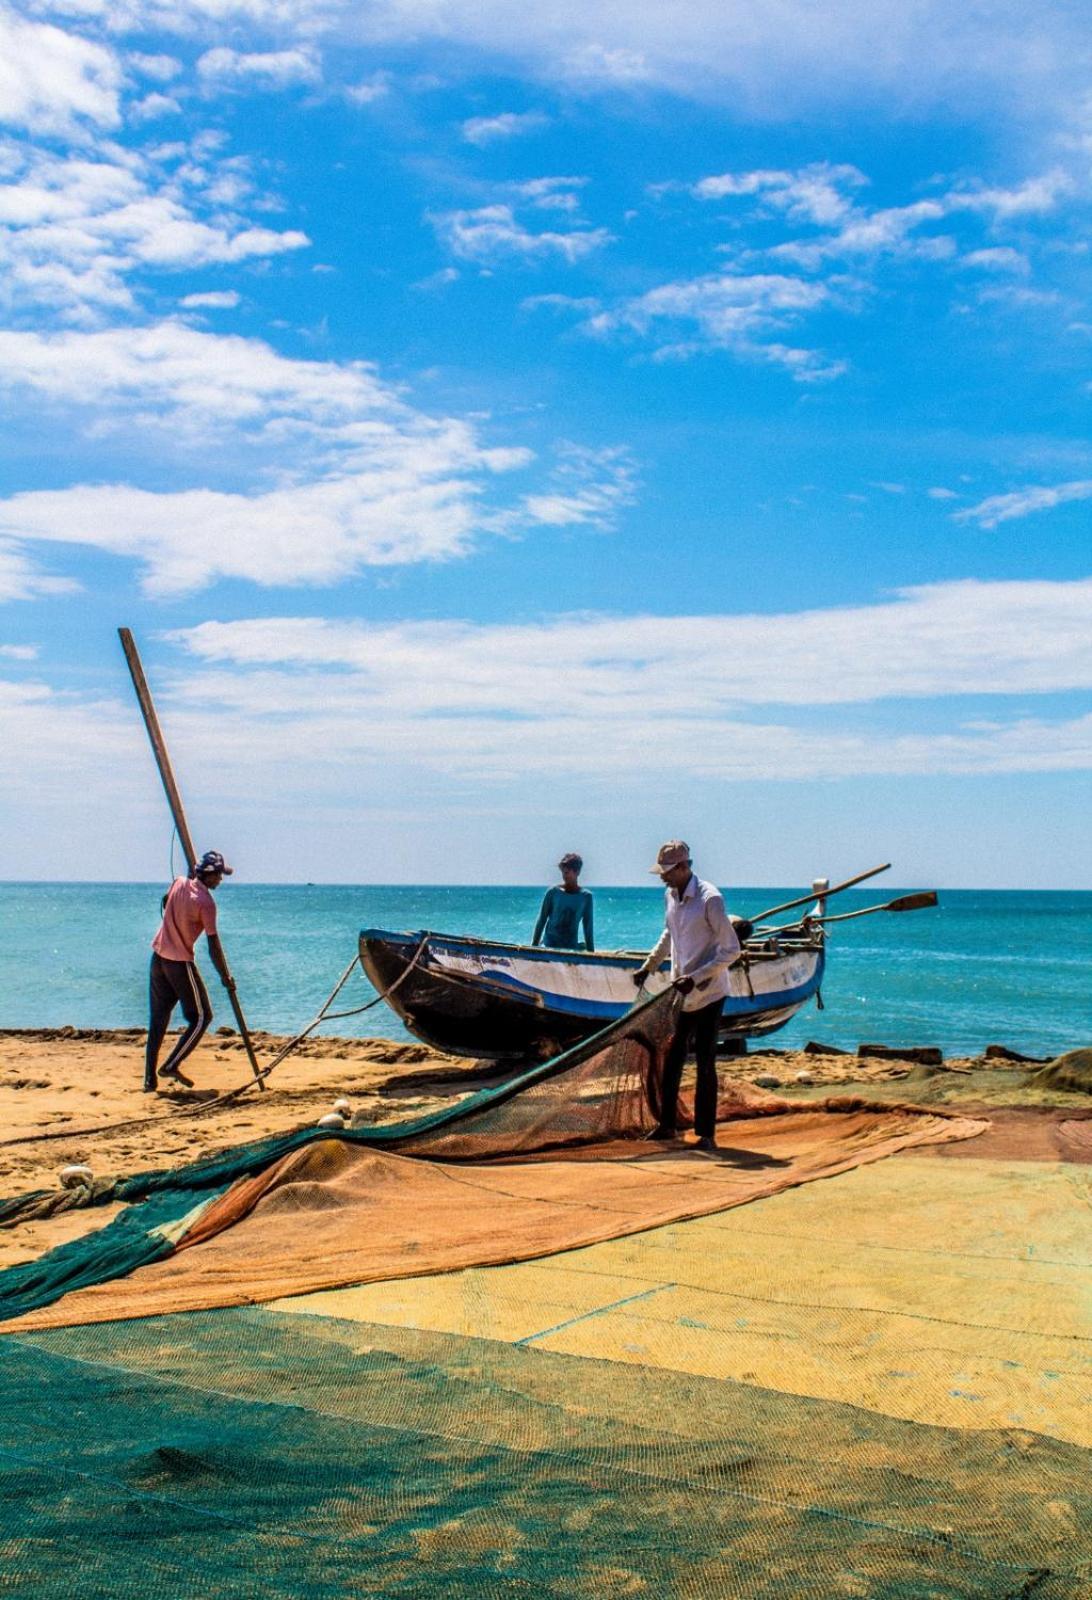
(481, 997)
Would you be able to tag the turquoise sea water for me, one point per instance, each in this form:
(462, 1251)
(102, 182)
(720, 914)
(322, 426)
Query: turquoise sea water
(1006, 967)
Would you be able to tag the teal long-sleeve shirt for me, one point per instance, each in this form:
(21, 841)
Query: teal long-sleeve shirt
(561, 918)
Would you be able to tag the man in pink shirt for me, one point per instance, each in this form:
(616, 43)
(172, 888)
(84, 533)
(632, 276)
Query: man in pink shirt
(188, 912)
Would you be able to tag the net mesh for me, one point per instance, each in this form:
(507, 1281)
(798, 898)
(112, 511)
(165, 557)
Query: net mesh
(245, 1453)
(308, 1199)
(255, 1451)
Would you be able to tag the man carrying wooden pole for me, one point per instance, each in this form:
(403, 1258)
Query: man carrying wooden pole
(194, 915)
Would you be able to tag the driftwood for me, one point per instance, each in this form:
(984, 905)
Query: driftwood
(926, 1055)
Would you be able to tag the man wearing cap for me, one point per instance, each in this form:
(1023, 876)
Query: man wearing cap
(566, 908)
(188, 911)
(703, 946)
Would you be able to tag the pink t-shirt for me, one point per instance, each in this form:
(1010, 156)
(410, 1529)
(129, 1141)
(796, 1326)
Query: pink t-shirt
(189, 912)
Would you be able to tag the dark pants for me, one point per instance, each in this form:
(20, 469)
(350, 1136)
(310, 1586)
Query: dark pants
(699, 1028)
(170, 984)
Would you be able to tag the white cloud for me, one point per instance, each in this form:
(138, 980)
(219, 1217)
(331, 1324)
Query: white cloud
(160, 68)
(332, 730)
(186, 377)
(600, 64)
(362, 478)
(46, 736)
(211, 300)
(551, 194)
(19, 652)
(998, 258)
(814, 194)
(481, 703)
(998, 508)
(436, 280)
(73, 230)
(728, 311)
(1034, 197)
(154, 106)
(287, 705)
(492, 233)
(54, 82)
(368, 90)
(957, 638)
(590, 487)
(559, 302)
(506, 125)
(271, 69)
(724, 185)
(296, 736)
(781, 60)
(20, 579)
(826, 199)
(942, 494)
(314, 533)
(822, 196)
(867, 234)
(415, 497)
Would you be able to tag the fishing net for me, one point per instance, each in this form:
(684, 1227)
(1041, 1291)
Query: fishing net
(246, 1453)
(604, 1447)
(493, 1179)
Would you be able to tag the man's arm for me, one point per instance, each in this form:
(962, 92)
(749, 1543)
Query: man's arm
(219, 961)
(589, 937)
(654, 957)
(542, 917)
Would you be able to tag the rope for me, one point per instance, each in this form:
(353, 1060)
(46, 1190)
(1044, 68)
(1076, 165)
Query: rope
(323, 1015)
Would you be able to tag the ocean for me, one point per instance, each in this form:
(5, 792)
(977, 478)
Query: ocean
(1005, 967)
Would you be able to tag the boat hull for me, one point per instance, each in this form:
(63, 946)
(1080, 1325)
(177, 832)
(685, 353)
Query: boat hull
(479, 997)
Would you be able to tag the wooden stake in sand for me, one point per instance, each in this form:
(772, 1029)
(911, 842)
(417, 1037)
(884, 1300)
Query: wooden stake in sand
(174, 800)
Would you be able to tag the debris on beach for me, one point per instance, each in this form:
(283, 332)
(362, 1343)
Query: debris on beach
(925, 1055)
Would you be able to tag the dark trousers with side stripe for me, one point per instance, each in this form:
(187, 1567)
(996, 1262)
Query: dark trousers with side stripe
(170, 984)
(699, 1028)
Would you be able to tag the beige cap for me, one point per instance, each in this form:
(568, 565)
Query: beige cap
(672, 854)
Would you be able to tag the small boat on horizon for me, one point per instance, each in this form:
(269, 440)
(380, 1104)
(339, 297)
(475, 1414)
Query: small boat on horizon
(483, 997)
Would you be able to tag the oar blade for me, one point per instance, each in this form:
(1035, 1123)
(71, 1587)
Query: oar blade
(912, 902)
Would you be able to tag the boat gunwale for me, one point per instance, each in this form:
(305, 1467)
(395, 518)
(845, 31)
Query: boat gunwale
(761, 950)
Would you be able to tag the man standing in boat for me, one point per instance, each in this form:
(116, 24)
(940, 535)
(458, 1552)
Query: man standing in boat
(703, 946)
(565, 909)
(188, 911)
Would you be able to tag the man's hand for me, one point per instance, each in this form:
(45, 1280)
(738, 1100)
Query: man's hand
(228, 982)
(683, 985)
(640, 977)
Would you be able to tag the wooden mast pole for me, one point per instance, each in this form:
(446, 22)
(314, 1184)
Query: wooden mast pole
(174, 800)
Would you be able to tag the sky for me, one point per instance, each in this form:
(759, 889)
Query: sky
(510, 430)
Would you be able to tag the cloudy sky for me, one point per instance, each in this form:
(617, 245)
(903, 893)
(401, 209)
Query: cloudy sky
(514, 429)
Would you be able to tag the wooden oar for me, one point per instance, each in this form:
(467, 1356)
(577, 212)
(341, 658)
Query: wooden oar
(790, 905)
(920, 901)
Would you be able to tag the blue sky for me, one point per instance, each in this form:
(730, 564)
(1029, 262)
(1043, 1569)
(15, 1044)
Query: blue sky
(510, 432)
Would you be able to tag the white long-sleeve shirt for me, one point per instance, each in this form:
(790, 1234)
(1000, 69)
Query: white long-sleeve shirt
(701, 939)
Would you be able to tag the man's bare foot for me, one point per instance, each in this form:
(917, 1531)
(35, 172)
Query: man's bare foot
(176, 1075)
